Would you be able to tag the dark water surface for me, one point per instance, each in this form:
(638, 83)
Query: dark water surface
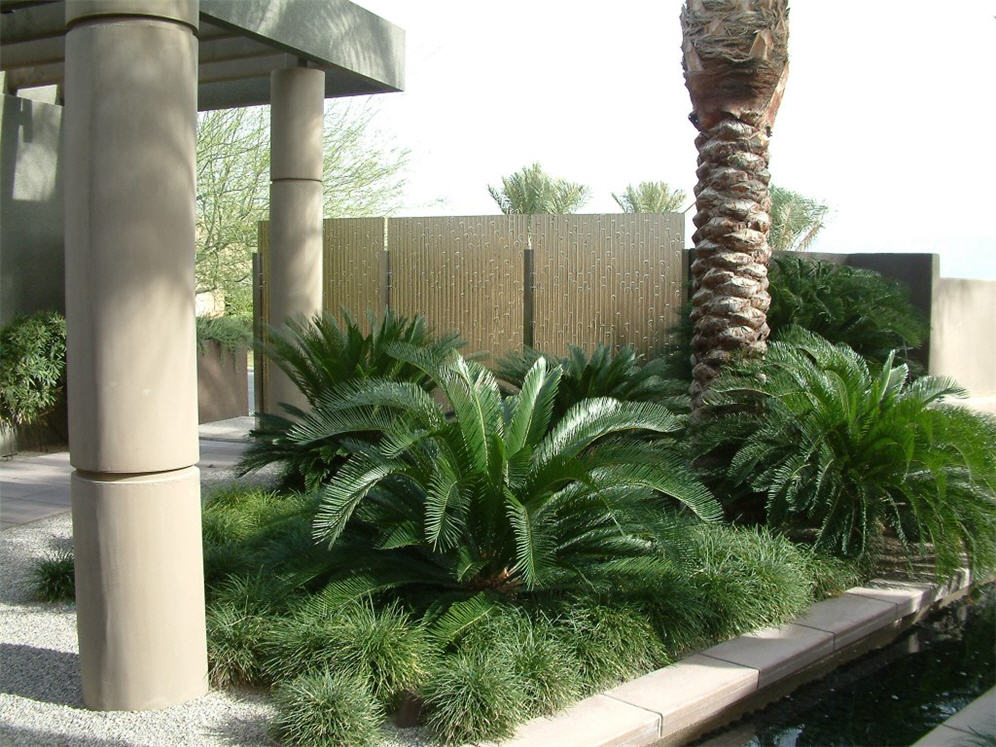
(892, 696)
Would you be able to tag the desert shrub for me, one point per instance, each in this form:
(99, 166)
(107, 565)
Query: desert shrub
(53, 577)
(32, 367)
(834, 447)
(230, 332)
(860, 308)
(472, 697)
(383, 647)
(319, 356)
(621, 375)
(493, 499)
(327, 709)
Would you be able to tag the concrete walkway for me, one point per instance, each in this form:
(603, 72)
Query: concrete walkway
(35, 486)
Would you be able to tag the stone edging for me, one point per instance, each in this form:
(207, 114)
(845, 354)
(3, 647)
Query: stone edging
(977, 719)
(675, 703)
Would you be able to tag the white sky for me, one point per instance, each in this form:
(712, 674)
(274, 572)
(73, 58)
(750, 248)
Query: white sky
(889, 114)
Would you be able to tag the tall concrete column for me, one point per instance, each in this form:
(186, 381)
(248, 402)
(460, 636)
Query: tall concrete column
(297, 98)
(129, 124)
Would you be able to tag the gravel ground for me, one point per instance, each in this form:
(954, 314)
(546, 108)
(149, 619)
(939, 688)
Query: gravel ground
(40, 699)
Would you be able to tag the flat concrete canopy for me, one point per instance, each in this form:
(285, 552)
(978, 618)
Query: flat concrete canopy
(241, 43)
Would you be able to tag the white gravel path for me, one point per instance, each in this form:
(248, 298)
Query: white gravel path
(40, 699)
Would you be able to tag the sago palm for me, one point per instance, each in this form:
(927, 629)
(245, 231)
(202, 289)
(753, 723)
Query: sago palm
(492, 500)
(620, 374)
(851, 452)
(735, 63)
(318, 356)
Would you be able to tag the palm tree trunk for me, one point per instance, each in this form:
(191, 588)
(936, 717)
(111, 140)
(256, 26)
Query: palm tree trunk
(731, 248)
(735, 64)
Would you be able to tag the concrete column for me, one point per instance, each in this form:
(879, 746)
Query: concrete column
(129, 124)
(297, 98)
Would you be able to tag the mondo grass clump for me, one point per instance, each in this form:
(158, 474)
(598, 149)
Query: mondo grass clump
(749, 577)
(53, 576)
(327, 709)
(383, 647)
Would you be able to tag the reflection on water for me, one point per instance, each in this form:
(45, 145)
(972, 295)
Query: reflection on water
(892, 696)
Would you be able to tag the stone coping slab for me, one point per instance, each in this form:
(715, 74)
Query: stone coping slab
(692, 690)
(673, 700)
(849, 617)
(775, 652)
(594, 722)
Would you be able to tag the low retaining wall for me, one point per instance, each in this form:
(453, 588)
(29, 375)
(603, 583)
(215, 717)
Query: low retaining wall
(222, 383)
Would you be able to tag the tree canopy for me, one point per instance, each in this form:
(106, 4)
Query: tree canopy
(795, 220)
(531, 190)
(650, 197)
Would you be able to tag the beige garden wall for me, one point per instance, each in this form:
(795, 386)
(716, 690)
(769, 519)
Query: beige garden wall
(963, 333)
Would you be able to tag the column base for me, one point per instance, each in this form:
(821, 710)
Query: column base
(139, 589)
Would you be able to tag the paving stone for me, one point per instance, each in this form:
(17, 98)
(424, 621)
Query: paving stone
(54, 496)
(849, 617)
(689, 691)
(23, 511)
(595, 721)
(945, 736)
(775, 652)
(979, 716)
(909, 597)
(24, 489)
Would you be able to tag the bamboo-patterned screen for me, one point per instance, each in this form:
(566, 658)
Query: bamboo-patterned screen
(463, 274)
(614, 279)
(497, 279)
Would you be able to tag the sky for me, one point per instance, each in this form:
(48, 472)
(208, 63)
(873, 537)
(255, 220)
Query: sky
(888, 115)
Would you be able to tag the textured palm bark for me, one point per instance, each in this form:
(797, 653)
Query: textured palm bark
(731, 247)
(735, 63)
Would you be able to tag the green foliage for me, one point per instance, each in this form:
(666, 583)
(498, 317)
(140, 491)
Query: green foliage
(620, 375)
(650, 197)
(795, 220)
(319, 356)
(32, 367)
(831, 576)
(327, 709)
(531, 190)
(53, 577)
(382, 647)
(234, 634)
(850, 452)
(860, 308)
(473, 697)
(231, 333)
(493, 499)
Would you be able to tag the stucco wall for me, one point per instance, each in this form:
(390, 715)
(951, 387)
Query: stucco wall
(963, 333)
(32, 273)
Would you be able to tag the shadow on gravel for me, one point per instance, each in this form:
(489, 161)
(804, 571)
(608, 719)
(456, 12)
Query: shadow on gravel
(40, 674)
(14, 735)
(237, 731)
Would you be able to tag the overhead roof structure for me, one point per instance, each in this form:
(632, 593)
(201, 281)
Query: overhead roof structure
(240, 43)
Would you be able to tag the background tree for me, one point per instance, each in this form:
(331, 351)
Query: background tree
(735, 64)
(795, 220)
(650, 197)
(363, 175)
(531, 190)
